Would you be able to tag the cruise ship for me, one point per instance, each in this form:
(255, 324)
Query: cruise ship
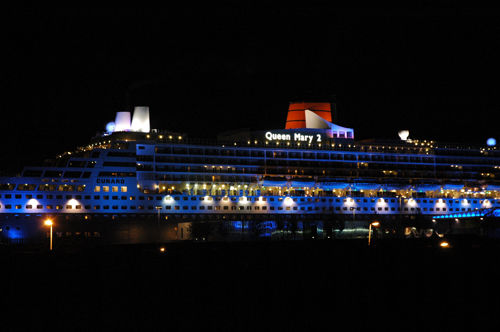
(311, 179)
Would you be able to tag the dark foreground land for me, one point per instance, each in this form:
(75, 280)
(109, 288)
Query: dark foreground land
(404, 285)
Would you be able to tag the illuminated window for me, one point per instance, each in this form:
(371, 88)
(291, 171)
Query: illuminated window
(124, 189)
(114, 189)
(105, 189)
(69, 207)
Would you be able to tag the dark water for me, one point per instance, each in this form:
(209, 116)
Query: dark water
(409, 285)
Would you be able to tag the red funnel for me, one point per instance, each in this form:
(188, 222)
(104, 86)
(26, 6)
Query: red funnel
(296, 116)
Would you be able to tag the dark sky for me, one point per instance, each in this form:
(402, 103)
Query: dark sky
(65, 72)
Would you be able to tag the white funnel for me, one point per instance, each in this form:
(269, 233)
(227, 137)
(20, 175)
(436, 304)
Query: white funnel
(140, 119)
(122, 121)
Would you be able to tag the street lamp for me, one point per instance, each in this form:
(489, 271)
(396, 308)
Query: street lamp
(158, 208)
(372, 224)
(48, 222)
(444, 244)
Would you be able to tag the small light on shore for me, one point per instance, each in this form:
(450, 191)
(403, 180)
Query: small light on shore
(444, 244)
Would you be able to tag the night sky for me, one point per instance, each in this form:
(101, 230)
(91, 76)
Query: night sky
(65, 72)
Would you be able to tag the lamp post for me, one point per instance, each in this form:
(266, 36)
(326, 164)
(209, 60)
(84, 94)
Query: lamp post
(374, 224)
(48, 222)
(158, 208)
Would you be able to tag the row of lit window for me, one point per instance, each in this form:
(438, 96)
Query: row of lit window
(49, 196)
(333, 145)
(48, 187)
(330, 200)
(392, 200)
(404, 209)
(248, 199)
(226, 207)
(48, 207)
(114, 189)
(168, 207)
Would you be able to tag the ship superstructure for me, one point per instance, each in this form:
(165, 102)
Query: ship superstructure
(313, 168)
